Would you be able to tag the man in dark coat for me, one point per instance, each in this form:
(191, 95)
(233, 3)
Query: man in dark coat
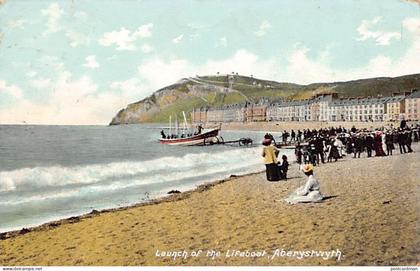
(319, 149)
(408, 139)
(401, 141)
(403, 124)
(369, 145)
(284, 136)
(299, 135)
(292, 136)
(358, 146)
(389, 143)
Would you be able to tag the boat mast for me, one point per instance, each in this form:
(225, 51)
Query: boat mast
(176, 124)
(170, 125)
(185, 122)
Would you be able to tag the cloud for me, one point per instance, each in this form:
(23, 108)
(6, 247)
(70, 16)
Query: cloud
(298, 67)
(263, 28)
(412, 25)
(301, 69)
(414, 1)
(124, 39)
(159, 73)
(242, 62)
(144, 31)
(129, 86)
(317, 70)
(146, 48)
(16, 24)
(73, 101)
(381, 37)
(11, 90)
(31, 73)
(41, 83)
(178, 39)
(91, 62)
(53, 13)
(76, 38)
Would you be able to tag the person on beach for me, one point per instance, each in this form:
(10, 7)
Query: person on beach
(299, 135)
(292, 136)
(333, 151)
(379, 151)
(284, 167)
(401, 141)
(389, 143)
(298, 153)
(319, 147)
(408, 139)
(270, 154)
(284, 136)
(310, 192)
(369, 142)
(358, 146)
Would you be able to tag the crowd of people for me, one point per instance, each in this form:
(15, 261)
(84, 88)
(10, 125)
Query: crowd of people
(331, 144)
(313, 147)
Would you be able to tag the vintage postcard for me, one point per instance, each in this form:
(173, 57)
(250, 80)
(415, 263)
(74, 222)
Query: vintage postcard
(209, 133)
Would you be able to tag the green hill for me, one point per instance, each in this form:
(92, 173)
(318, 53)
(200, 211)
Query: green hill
(214, 91)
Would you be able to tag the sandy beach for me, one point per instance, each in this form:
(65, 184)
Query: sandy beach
(371, 217)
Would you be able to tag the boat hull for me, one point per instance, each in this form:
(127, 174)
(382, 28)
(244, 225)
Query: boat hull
(191, 141)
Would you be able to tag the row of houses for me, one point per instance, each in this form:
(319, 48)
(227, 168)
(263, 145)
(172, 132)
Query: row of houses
(326, 107)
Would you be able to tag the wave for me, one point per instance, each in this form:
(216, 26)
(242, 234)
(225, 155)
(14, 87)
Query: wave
(125, 174)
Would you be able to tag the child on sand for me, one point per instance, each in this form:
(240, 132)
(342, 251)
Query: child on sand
(284, 167)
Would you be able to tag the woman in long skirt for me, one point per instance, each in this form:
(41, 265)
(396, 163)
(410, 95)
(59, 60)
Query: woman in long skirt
(270, 153)
(379, 151)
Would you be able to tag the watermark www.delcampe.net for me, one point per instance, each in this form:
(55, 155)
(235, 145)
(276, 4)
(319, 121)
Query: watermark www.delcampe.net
(233, 253)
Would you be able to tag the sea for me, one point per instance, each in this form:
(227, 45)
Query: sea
(54, 172)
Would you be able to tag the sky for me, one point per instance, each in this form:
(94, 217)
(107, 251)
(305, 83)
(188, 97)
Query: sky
(79, 62)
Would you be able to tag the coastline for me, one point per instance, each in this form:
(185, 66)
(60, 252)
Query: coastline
(168, 197)
(370, 216)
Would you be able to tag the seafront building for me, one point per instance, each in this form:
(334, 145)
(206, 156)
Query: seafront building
(395, 108)
(412, 106)
(324, 107)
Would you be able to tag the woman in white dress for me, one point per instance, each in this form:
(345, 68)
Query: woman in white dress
(310, 192)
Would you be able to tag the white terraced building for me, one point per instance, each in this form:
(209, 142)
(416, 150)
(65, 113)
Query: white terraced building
(412, 106)
(234, 113)
(366, 109)
(321, 108)
(395, 108)
(289, 111)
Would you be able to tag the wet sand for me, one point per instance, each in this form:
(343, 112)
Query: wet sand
(371, 217)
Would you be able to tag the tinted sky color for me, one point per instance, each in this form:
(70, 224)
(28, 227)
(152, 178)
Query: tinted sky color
(79, 62)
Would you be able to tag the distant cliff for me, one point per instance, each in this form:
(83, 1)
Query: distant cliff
(196, 92)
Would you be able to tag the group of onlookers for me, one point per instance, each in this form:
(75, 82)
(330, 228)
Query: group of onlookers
(330, 144)
(315, 146)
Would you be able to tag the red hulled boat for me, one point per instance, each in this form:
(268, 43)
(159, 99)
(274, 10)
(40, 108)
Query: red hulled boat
(200, 139)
